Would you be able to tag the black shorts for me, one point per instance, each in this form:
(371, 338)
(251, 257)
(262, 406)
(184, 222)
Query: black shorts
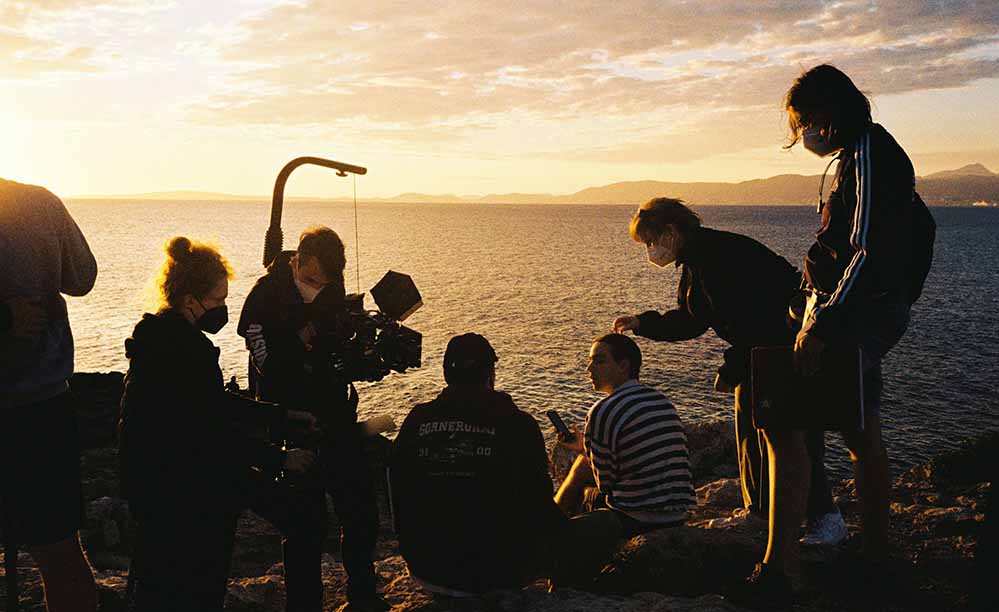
(42, 500)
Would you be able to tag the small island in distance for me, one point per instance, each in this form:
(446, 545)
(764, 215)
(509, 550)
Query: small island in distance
(971, 185)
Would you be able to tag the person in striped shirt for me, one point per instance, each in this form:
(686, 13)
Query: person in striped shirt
(632, 451)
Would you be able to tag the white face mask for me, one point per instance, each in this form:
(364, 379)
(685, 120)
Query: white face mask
(813, 140)
(308, 292)
(664, 252)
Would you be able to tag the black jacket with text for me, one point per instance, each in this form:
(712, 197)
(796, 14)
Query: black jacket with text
(282, 368)
(471, 489)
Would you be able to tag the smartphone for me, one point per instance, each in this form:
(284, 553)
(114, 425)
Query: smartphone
(557, 422)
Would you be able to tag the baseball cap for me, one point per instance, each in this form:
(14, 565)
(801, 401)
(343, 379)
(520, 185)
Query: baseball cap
(468, 351)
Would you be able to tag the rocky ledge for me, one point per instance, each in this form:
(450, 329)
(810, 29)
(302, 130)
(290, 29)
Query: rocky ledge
(937, 519)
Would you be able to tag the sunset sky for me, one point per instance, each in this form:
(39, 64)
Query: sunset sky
(124, 96)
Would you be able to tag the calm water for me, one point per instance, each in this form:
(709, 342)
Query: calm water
(540, 282)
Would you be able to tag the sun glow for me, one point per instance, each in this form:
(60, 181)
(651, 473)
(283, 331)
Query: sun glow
(11, 143)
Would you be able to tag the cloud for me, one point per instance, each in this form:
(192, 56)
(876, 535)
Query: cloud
(33, 37)
(396, 62)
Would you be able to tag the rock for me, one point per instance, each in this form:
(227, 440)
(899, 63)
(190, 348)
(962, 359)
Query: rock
(406, 595)
(257, 594)
(106, 519)
(682, 561)
(711, 444)
(725, 494)
(936, 520)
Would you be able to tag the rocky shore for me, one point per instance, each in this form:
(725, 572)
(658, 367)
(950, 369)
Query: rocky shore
(937, 518)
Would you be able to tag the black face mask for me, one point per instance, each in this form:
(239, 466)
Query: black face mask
(213, 319)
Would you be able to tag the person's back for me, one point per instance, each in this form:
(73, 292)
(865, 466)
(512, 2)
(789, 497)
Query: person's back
(43, 254)
(471, 489)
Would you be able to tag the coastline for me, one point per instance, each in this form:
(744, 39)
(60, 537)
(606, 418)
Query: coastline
(938, 510)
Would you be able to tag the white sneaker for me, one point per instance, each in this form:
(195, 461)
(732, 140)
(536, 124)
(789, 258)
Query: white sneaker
(827, 530)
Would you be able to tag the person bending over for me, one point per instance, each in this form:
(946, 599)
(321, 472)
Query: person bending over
(286, 321)
(186, 446)
(43, 254)
(632, 447)
(740, 289)
(472, 493)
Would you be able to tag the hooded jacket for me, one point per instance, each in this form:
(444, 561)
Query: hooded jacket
(184, 440)
(733, 285)
(282, 368)
(471, 489)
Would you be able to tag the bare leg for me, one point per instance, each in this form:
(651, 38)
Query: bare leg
(67, 578)
(570, 495)
(870, 465)
(789, 477)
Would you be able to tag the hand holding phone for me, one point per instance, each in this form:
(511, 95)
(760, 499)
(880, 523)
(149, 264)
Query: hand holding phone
(558, 423)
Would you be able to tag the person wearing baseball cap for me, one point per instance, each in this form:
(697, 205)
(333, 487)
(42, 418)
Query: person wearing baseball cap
(472, 494)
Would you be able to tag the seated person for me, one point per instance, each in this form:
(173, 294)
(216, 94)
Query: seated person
(472, 494)
(632, 449)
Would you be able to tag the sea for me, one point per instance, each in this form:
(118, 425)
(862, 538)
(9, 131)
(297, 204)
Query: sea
(540, 282)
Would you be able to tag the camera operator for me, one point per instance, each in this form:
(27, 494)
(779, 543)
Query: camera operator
(185, 444)
(290, 322)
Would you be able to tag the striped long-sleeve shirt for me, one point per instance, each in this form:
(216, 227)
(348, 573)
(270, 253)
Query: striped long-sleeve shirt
(638, 452)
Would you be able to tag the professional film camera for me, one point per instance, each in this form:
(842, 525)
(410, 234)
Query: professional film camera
(365, 345)
(354, 343)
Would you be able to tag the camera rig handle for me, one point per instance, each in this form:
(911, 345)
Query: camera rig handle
(274, 238)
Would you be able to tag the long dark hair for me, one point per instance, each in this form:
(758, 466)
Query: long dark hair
(826, 88)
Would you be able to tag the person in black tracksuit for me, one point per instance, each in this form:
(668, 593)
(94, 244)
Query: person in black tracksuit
(864, 271)
(741, 289)
(186, 446)
(285, 321)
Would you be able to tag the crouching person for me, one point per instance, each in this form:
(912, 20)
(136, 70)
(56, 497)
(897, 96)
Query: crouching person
(633, 452)
(472, 494)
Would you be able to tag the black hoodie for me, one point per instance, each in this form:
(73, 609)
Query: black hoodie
(184, 441)
(282, 368)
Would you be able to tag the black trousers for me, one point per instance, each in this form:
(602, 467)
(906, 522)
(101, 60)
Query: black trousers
(181, 560)
(296, 506)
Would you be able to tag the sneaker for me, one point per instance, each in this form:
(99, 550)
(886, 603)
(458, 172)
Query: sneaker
(826, 530)
(767, 588)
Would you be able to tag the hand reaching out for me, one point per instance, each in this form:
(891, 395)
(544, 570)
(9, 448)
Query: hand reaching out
(626, 323)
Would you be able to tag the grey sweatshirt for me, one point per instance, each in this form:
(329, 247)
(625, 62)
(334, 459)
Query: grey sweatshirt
(42, 254)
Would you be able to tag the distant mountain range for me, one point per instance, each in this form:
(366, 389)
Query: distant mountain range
(961, 187)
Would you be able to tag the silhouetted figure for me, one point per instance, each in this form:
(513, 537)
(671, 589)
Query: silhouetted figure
(472, 494)
(864, 271)
(285, 322)
(186, 445)
(43, 254)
